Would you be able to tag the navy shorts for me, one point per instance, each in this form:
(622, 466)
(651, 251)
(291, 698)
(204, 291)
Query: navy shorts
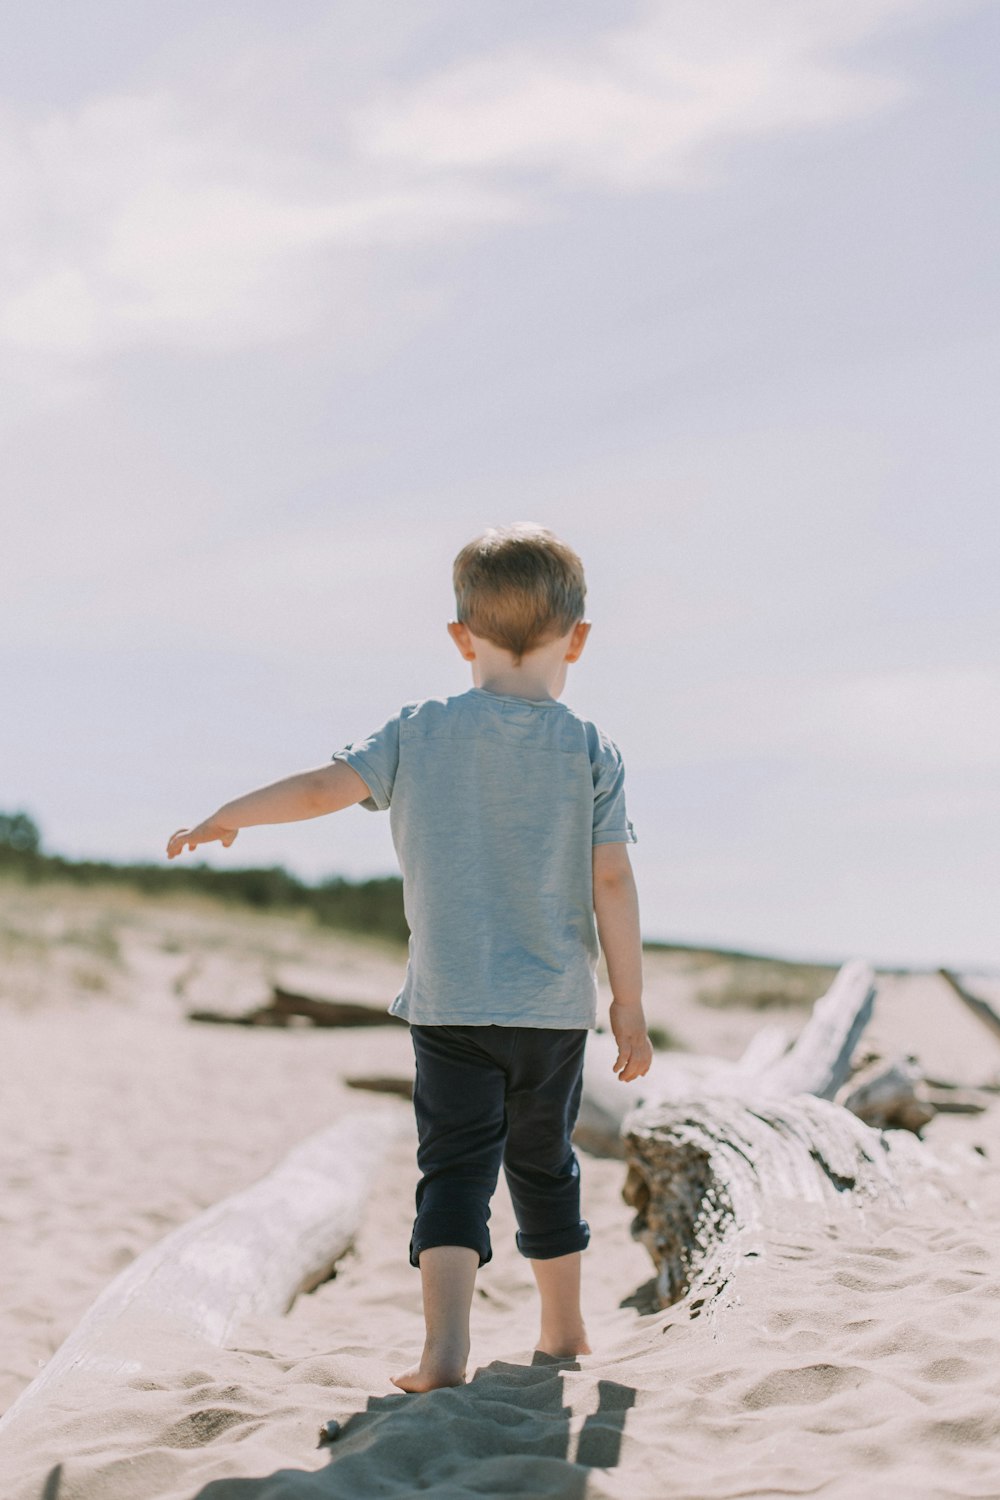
(487, 1096)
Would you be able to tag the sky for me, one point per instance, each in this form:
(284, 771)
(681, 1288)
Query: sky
(296, 300)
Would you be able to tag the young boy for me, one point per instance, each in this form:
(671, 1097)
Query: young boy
(508, 816)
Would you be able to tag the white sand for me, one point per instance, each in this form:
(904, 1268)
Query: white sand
(860, 1362)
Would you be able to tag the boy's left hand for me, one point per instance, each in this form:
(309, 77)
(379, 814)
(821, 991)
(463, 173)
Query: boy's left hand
(211, 831)
(635, 1051)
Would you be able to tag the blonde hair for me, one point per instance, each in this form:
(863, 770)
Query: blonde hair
(519, 586)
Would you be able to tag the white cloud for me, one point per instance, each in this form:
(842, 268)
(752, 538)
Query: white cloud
(182, 218)
(140, 220)
(638, 106)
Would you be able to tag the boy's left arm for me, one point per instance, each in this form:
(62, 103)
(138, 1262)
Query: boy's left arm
(308, 794)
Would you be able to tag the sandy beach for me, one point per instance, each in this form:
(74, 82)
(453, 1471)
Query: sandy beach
(860, 1360)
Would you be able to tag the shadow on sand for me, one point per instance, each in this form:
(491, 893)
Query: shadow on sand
(507, 1432)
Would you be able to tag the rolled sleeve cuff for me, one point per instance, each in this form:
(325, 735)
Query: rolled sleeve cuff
(624, 835)
(379, 799)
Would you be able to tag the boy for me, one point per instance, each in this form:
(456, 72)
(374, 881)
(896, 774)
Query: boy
(508, 817)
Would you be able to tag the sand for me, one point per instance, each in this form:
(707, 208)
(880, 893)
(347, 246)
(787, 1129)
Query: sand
(862, 1359)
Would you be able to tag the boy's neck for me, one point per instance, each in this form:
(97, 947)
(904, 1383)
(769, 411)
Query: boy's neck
(540, 677)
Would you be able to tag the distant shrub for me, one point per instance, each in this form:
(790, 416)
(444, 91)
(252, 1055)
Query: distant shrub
(19, 834)
(766, 984)
(373, 907)
(664, 1040)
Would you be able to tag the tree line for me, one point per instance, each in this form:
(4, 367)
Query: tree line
(373, 907)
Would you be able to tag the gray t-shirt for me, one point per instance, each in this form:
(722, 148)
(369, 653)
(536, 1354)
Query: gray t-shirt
(495, 804)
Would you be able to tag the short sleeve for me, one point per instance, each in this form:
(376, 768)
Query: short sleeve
(611, 824)
(375, 759)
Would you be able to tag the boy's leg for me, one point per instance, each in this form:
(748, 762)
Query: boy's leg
(448, 1279)
(458, 1099)
(563, 1333)
(543, 1100)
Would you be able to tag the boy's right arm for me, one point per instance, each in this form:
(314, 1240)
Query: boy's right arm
(308, 794)
(616, 907)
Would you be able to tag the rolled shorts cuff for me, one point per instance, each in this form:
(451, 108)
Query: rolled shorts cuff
(561, 1242)
(430, 1239)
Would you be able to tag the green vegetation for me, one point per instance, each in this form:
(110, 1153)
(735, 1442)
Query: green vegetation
(369, 906)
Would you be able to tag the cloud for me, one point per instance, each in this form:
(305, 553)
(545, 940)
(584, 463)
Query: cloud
(142, 220)
(181, 217)
(638, 106)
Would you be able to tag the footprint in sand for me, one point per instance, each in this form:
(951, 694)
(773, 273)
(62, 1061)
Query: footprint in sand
(204, 1426)
(804, 1386)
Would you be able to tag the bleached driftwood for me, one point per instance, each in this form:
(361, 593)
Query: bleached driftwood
(252, 1253)
(709, 1166)
(705, 1176)
(820, 1059)
(890, 1097)
(817, 1063)
(286, 1007)
(901, 1097)
(976, 1003)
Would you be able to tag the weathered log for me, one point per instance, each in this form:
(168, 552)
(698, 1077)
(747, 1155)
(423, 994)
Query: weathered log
(705, 1171)
(252, 1253)
(606, 1100)
(892, 1097)
(332, 1012)
(766, 1047)
(820, 1059)
(286, 1007)
(704, 1176)
(818, 1062)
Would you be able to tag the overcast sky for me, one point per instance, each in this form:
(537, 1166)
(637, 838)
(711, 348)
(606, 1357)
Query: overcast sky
(295, 300)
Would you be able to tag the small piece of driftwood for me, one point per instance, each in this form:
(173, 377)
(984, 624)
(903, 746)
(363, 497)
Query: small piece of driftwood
(285, 1008)
(976, 1003)
(889, 1097)
(252, 1253)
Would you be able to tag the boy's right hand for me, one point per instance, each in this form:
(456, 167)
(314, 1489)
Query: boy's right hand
(635, 1050)
(210, 831)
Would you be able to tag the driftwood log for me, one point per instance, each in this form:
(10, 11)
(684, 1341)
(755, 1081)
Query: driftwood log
(893, 1097)
(818, 1063)
(252, 1253)
(705, 1177)
(979, 1007)
(286, 1007)
(717, 1155)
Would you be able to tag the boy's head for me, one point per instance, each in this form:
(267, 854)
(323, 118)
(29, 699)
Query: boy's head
(519, 586)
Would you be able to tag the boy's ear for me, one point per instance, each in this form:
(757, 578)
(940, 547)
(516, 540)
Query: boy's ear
(578, 640)
(462, 638)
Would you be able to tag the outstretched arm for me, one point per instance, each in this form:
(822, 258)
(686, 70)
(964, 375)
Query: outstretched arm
(616, 906)
(309, 794)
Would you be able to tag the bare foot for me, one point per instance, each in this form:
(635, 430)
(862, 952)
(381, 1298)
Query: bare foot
(561, 1346)
(433, 1372)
